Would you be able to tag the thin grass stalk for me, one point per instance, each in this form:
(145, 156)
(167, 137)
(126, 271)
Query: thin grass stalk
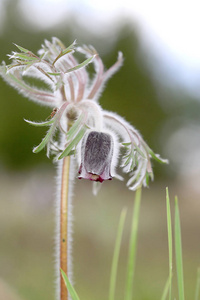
(197, 290)
(113, 275)
(178, 250)
(166, 289)
(133, 246)
(169, 230)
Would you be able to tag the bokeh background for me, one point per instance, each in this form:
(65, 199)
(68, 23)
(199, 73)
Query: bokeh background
(157, 90)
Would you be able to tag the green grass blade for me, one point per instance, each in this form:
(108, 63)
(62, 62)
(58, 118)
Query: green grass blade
(115, 260)
(70, 288)
(133, 246)
(197, 285)
(169, 230)
(166, 288)
(178, 251)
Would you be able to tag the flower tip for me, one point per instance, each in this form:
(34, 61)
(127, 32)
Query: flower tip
(94, 177)
(120, 56)
(151, 175)
(26, 120)
(16, 45)
(34, 150)
(163, 160)
(10, 56)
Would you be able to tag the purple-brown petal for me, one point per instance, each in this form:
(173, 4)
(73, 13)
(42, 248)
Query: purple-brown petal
(96, 156)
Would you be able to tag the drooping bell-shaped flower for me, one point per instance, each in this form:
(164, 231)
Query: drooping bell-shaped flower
(92, 135)
(96, 156)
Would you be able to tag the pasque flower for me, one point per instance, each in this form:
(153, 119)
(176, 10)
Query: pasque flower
(100, 140)
(96, 156)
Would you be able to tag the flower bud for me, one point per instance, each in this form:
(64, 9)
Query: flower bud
(96, 156)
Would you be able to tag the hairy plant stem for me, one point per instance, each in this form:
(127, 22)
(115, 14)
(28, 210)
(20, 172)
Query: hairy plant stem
(64, 223)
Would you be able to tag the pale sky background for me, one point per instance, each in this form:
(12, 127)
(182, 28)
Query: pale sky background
(168, 28)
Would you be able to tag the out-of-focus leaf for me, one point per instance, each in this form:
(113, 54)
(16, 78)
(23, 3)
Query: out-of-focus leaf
(178, 251)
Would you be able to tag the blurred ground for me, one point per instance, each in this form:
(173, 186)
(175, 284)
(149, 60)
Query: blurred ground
(27, 236)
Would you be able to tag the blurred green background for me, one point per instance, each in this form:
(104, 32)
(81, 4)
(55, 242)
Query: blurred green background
(168, 118)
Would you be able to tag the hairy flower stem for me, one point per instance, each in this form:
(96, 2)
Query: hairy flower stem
(64, 223)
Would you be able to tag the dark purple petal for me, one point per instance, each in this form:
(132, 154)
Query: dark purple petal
(96, 156)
